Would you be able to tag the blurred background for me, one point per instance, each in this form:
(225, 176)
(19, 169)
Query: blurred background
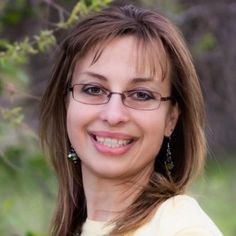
(29, 34)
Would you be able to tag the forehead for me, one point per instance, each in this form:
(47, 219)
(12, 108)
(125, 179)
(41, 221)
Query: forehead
(147, 58)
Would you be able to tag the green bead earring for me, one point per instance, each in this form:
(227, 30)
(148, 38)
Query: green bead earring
(169, 164)
(72, 155)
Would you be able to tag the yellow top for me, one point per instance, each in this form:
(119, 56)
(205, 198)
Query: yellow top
(178, 216)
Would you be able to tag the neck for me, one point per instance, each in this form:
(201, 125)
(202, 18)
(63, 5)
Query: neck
(107, 198)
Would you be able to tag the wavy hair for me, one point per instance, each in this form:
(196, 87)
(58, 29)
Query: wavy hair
(155, 35)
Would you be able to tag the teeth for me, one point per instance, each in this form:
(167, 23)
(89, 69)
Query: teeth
(111, 142)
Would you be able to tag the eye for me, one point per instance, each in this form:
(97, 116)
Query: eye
(93, 90)
(141, 95)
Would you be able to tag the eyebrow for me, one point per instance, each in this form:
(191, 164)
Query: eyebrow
(133, 80)
(95, 75)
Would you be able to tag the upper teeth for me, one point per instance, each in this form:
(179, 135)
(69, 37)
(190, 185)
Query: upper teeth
(111, 142)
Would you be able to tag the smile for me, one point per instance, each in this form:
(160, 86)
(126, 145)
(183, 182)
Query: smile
(111, 142)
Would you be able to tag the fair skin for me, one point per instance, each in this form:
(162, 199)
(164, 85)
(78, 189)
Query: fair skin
(110, 171)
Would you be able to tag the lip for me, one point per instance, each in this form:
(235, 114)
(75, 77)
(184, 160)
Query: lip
(115, 135)
(100, 147)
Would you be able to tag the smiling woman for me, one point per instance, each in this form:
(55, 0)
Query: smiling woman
(131, 124)
(95, 131)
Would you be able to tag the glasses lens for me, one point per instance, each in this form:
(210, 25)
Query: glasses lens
(90, 94)
(142, 100)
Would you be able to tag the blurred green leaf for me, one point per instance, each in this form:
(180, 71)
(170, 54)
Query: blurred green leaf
(206, 43)
(1, 86)
(44, 40)
(16, 52)
(7, 204)
(15, 155)
(12, 12)
(83, 7)
(15, 115)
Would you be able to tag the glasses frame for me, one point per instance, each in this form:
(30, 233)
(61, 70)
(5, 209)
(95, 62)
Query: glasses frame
(123, 97)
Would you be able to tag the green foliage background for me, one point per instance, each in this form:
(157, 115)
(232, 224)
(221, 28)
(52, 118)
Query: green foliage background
(28, 186)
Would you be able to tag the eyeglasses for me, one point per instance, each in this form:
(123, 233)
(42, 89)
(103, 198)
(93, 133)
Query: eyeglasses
(139, 99)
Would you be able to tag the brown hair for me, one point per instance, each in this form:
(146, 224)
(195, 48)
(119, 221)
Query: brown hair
(188, 140)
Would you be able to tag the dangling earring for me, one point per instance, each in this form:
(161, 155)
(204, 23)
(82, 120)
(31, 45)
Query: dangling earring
(169, 164)
(72, 155)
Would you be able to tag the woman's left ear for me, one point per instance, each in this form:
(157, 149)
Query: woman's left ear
(172, 119)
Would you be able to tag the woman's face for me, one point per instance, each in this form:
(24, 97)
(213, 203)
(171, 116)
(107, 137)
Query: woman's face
(112, 140)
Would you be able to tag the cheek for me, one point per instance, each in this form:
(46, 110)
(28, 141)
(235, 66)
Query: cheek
(71, 123)
(76, 120)
(72, 114)
(153, 131)
(153, 124)
(79, 118)
(78, 113)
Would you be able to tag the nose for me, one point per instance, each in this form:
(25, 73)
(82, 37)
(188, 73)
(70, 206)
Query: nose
(114, 112)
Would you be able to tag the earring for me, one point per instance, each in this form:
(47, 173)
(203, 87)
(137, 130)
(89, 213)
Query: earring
(169, 164)
(72, 155)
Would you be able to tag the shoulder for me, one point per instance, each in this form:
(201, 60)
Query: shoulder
(181, 216)
(181, 205)
(184, 215)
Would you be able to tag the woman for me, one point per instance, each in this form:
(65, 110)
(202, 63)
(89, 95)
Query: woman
(123, 121)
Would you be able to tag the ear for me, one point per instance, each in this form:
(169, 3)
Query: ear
(172, 118)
